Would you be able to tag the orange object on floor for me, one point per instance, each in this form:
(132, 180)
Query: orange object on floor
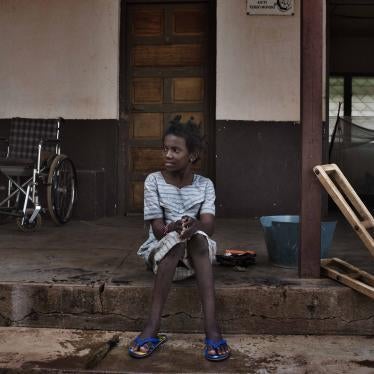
(233, 251)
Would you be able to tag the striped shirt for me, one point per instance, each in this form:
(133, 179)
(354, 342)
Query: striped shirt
(164, 200)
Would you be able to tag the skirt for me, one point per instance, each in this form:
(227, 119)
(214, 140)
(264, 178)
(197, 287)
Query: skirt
(158, 249)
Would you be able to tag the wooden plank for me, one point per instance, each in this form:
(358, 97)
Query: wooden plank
(168, 107)
(329, 168)
(311, 136)
(356, 222)
(341, 180)
(352, 271)
(349, 275)
(168, 55)
(367, 224)
(170, 71)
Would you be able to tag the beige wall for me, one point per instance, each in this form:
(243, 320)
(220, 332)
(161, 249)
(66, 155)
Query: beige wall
(258, 64)
(59, 58)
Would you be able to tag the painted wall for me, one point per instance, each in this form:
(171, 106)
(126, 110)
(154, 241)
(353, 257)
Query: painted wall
(258, 64)
(257, 169)
(59, 58)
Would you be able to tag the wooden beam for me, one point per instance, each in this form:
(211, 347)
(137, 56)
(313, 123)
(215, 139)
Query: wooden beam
(347, 200)
(349, 275)
(311, 136)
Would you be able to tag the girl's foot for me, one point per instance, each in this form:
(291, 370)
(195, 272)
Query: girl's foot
(148, 333)
(216, 350)
(215, 345)
(144, 347)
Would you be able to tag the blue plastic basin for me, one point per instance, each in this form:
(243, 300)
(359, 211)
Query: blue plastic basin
(282, 239)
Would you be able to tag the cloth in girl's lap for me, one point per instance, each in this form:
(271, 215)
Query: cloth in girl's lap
(163, 200)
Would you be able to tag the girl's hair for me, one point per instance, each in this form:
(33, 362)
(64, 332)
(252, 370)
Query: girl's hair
(189, 131)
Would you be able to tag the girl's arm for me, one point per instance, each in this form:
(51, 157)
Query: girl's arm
(160, 229)
(206, 219)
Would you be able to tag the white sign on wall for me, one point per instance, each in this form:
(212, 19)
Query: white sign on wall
(270, 7)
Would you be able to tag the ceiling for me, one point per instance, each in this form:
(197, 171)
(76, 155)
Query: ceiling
(351, 18)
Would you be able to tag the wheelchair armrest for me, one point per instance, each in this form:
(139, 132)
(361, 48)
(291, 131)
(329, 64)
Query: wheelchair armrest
(49, 141)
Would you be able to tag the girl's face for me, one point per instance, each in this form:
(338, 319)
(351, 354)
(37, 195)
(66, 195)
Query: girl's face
(176, 155)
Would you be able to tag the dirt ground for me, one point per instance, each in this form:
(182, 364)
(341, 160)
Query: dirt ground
(28, 350)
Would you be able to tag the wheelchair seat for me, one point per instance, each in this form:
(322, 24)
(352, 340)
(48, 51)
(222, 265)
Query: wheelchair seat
(14, 167)
(33, 161)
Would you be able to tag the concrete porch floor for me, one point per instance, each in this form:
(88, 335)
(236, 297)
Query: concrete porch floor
(87, 275)
(105, 250)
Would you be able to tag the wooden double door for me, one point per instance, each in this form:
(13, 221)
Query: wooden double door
(170, 62)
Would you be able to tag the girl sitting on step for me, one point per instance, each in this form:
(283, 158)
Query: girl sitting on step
(179, 205)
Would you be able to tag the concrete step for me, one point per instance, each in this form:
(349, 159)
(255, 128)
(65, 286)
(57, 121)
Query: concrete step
(27, 350)
(87, 275)
(294, 306)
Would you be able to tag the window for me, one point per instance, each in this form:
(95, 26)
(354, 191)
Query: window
(362, 97)
(357, 94)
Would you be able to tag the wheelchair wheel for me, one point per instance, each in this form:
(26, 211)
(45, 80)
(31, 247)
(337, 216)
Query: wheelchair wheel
(27, 226)
(61, 189)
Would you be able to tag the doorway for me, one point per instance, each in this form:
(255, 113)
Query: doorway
(170, 70)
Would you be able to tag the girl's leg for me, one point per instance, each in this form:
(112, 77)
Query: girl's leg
(161, 287)
(198, 251)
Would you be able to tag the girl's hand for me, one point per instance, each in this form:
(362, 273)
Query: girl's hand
(160, 229)
(189, 227)
(174, 226)
(178, 226)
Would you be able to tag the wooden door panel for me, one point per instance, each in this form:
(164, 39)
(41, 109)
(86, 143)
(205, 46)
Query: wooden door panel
(146, 160)
(146, 126)
(167, 76)
(147, 90)
(168, 55)
(137, 194)
(187, 90)
(189, 22)
(147, 22)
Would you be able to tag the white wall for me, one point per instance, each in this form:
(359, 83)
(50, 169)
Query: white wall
(258, 64)
(59, 58)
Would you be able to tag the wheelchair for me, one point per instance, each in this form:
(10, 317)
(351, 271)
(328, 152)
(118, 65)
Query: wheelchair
(37, 177)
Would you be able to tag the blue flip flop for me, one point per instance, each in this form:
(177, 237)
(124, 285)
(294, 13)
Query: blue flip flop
(153, 344)
(209, 345)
